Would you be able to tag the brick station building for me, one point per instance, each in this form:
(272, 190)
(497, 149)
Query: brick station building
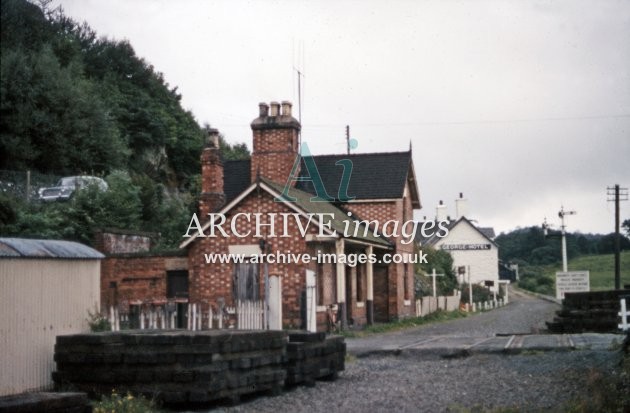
(382, 187)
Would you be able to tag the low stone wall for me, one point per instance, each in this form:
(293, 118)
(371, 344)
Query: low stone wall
(594, 311)
(185, 367)
(314, 356)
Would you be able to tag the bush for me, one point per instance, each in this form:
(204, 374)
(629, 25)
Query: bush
(480, 293)
(98, 322)
(533, 279)
(116, 403)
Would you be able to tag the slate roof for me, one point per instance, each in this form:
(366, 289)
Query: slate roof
(339, 217)
(488, 232)
(38, 248)
(374, 175)
(236, 178)
(433, 239)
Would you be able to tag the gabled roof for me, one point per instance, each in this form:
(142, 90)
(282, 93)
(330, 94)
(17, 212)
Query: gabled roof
(39, 248)
(488, 232)
(433, 239)
(303, 205)
(340, 218)
(374, 176)
(236, 177)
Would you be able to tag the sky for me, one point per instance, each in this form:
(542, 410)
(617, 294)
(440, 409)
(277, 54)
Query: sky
(523, 106)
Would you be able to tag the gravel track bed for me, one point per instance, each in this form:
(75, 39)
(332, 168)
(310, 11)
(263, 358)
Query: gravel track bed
(535, 382)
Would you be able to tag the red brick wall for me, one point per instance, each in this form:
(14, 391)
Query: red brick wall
(274, 153)
(382, 212)
(121, 243)
(212, 196)
(136, 278)
(209, 282)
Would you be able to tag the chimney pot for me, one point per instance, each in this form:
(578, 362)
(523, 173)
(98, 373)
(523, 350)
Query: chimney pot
(440, 212)
(286, 108)
(461, 195)
(275, 109)
(212, 139)
(263, 110)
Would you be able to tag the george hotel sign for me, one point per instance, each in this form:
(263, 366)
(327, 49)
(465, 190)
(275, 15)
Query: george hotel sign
(465, 247)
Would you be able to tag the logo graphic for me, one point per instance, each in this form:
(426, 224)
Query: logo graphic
(315, 178)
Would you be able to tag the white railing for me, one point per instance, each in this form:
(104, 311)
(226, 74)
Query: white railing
(250, 315)
(624, 314)
(245, 315)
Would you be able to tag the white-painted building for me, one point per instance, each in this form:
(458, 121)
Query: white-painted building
(46, 289)
(471, 247)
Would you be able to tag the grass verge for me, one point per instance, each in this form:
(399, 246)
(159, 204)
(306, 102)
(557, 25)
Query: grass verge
(436, 317)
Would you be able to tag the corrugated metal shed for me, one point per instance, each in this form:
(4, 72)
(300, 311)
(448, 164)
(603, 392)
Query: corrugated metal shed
(38, 248)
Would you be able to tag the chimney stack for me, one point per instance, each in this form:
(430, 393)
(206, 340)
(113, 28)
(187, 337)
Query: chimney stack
(461, 206)
(275, 142)
(441, 213)
(212, 196)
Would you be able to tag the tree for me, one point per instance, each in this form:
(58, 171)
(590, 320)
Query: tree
(442, 261)
(626, 227)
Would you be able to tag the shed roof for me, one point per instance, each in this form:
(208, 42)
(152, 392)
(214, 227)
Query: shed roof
(39, 248)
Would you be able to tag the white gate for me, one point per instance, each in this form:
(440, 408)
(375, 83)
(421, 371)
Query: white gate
(275, 303)
(311, 303)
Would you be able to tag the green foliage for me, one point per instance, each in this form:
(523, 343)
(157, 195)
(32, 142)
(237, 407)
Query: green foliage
(98, 322)
(541, 279)
(124, 205)
(442, 261)
(73, 103)
(626, 227)
(535, 279)
(529, 245)
(480, 294)
(234, 152)
(605, 391)
(436, 317)
(117, 403)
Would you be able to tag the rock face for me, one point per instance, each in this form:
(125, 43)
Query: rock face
(183, 367)
(594, 311)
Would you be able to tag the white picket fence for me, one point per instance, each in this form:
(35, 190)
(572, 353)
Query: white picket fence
(624, 314)
(245, 315)
(428, 305)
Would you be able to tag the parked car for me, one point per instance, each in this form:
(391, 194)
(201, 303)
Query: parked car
(68, 185)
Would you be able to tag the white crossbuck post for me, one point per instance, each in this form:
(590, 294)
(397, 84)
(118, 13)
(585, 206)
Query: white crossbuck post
(624, 326)
(433, 274)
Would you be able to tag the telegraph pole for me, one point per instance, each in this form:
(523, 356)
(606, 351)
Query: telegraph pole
(618, 194)
(563, 228)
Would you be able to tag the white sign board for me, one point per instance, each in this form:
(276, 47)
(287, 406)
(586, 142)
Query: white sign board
(572, 282)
